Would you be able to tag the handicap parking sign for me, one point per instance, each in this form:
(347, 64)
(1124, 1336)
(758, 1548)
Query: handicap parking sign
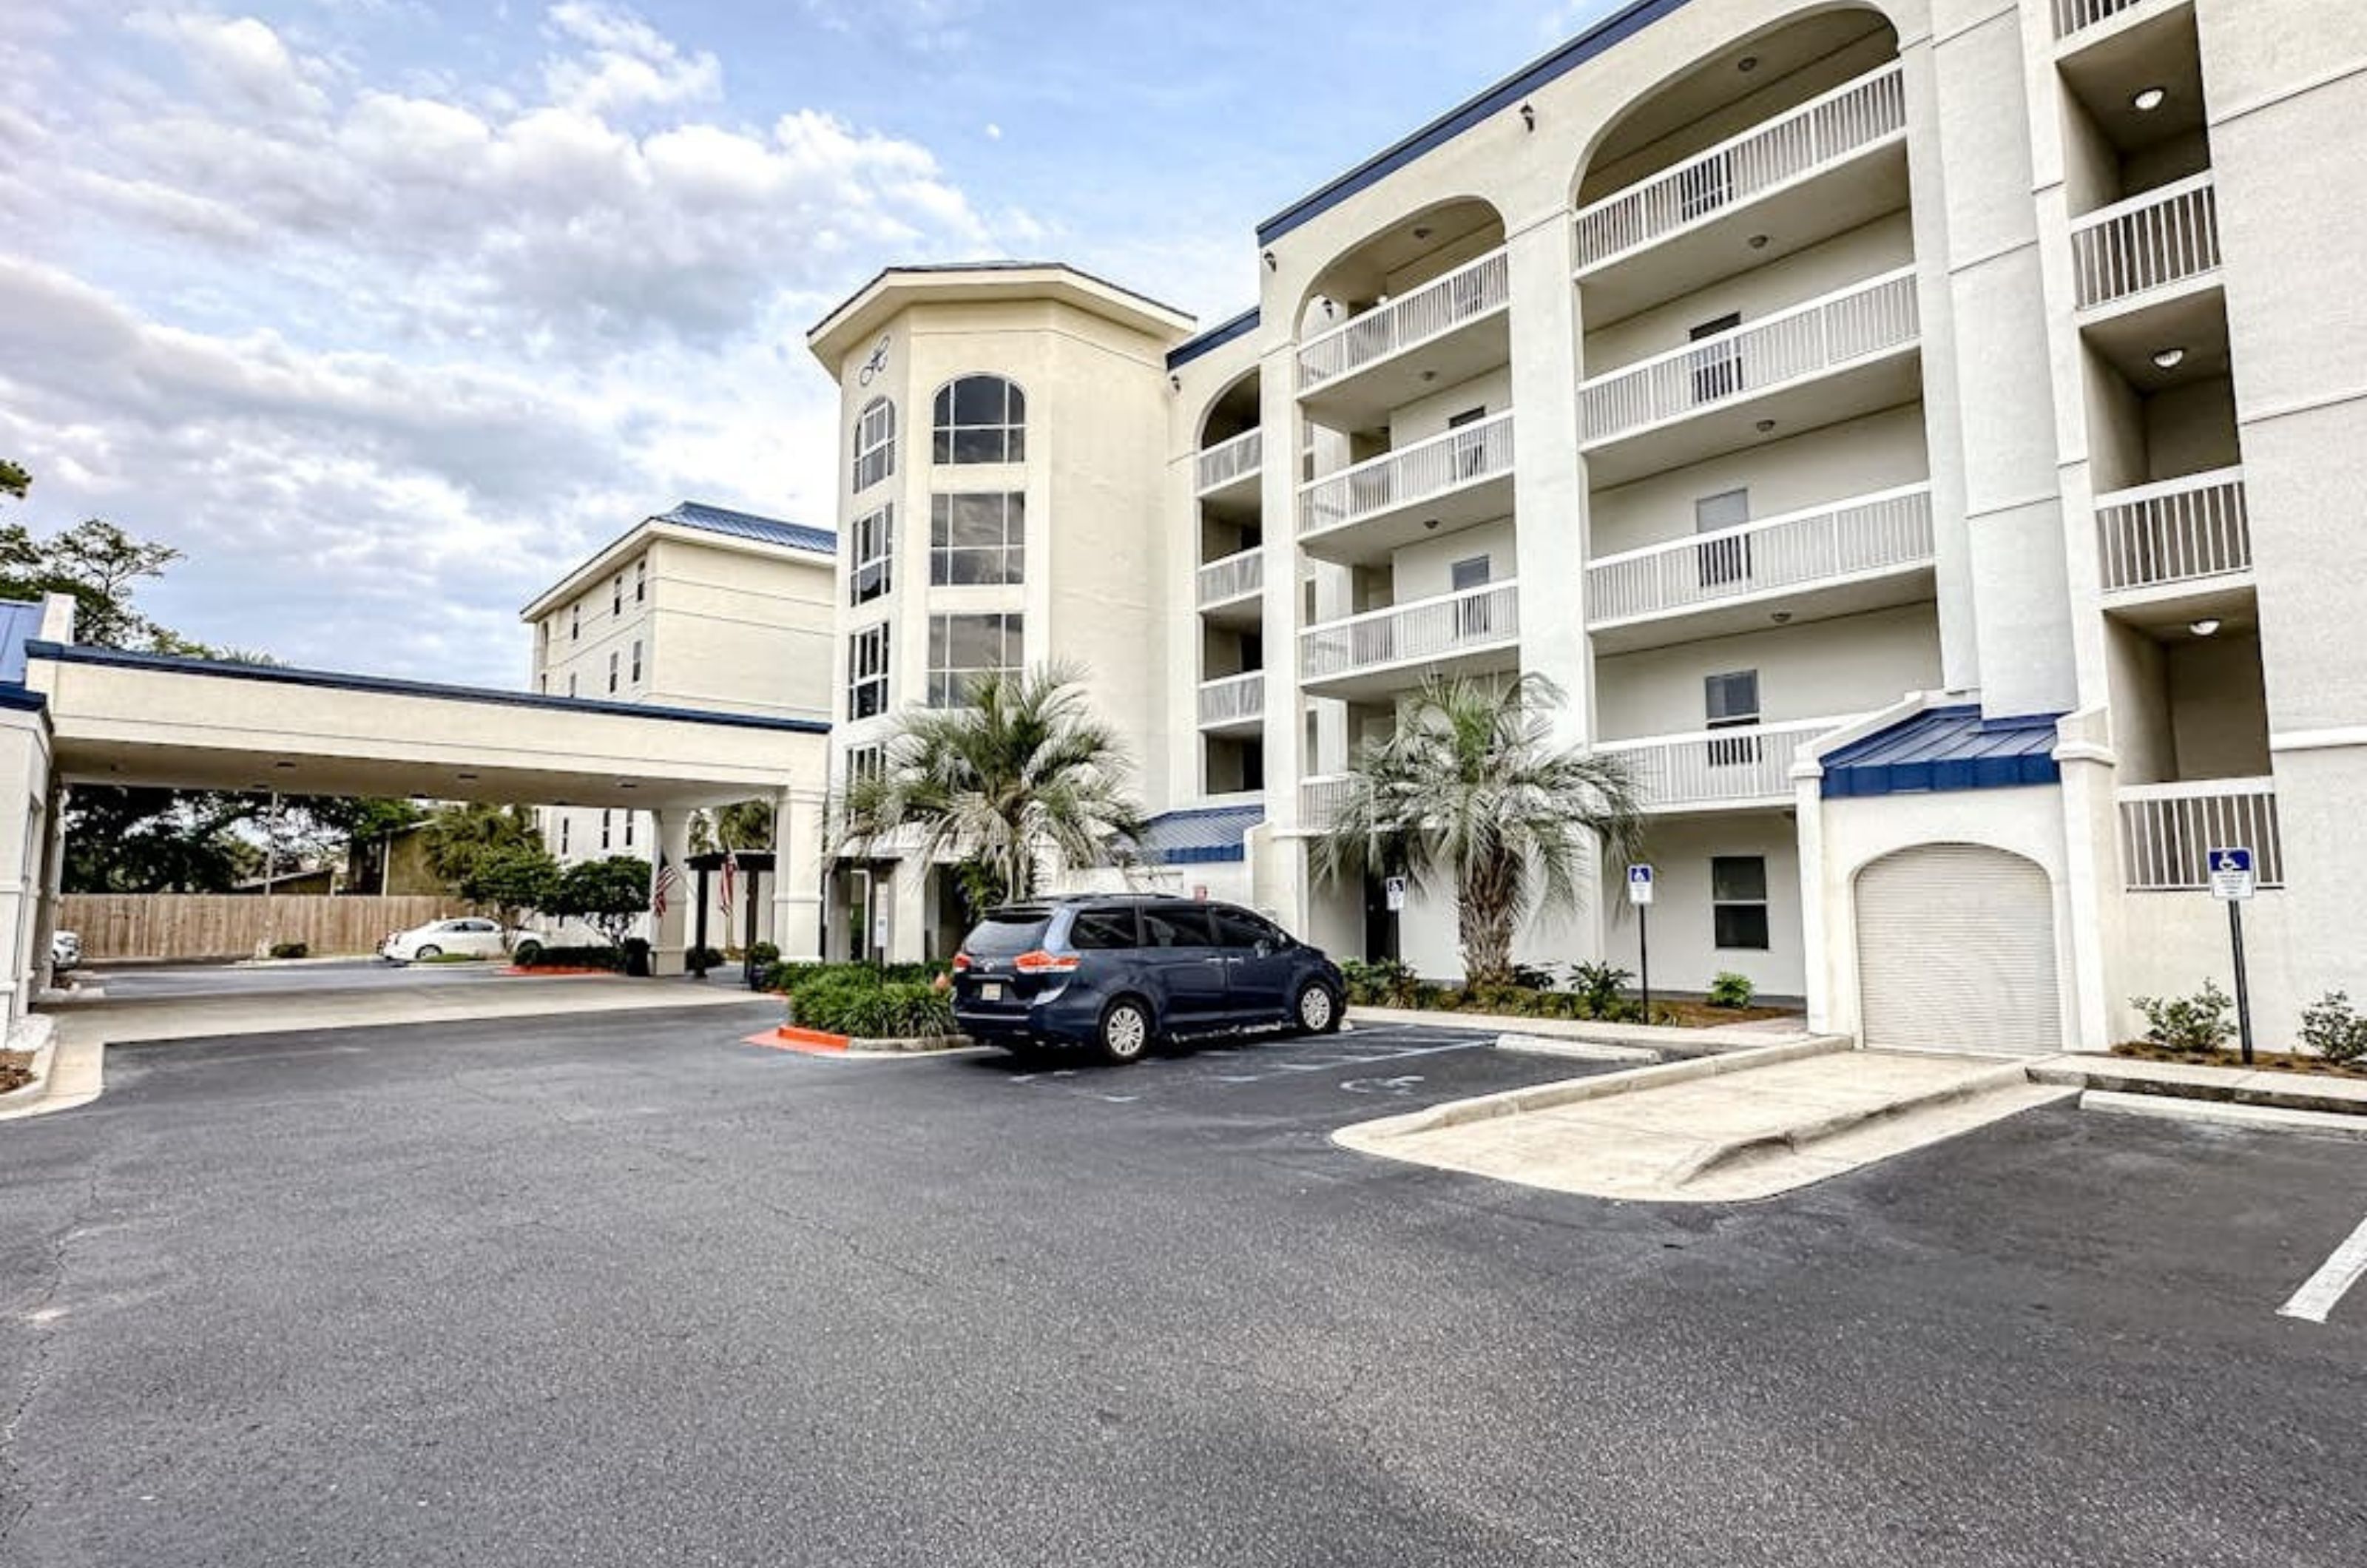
(1639, 884)
(2232, 877)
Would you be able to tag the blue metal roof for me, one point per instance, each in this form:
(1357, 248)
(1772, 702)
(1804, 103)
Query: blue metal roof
(20, 622)
(1946, 749)
(1199, 838)
(748, 526)
(1216, 338)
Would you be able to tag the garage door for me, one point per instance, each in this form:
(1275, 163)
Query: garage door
(1956, 952)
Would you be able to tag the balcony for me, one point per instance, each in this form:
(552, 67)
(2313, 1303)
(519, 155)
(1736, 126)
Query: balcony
(1848, 352)
(2157, 240)
(1226, 475)
(1842, 156)
(1362, 514)
(1448, 330)
(2077, 15)
(2167, 829)
(1234, 704)
(1320, 798)
(2164, 540)
(1388, 650)
(1716, 770)
(1864, 553)
(1230, 588)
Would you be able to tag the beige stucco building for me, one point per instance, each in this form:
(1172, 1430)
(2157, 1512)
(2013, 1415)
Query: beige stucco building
(1919, 435)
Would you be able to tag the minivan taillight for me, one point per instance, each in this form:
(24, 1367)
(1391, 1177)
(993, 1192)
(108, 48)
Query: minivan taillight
(961, 961)
(1042, 963)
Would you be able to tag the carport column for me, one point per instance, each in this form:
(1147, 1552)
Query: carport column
(797, 875)
(669, 932)
(52, 872)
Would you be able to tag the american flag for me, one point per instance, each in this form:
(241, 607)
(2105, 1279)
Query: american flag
(661, 885)
(728, 882)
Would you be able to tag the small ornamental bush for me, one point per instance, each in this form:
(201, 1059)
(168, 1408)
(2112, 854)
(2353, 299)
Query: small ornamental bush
(1599, 988)
(703, 958)
(2198, 1024)
(763, 956)
(1731, 990)
(1386, 983)
(854, 1000)
(290, 950)
(2331, 1029)
(603, 957)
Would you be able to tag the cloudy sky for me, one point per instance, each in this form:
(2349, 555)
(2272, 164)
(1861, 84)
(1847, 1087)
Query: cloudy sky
(387, 311)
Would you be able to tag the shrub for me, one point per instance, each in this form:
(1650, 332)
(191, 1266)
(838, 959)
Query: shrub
(703, 958)
(1528, 977)
(2197, 1024)
(1731, 990)
(537, 957)
(855, 1000)
(2329, 1028)
(290, 950)
(1599, 989)
(763, 956)
(1385, 984)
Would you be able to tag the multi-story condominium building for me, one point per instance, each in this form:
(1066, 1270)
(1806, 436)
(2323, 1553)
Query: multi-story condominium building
(699, 607)
(1917, 435)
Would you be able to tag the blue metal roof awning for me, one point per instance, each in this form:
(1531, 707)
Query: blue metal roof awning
(1946, 749)
(1199, 838)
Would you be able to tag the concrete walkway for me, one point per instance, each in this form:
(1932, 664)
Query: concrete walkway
(83, 1031)
(1716, 1130)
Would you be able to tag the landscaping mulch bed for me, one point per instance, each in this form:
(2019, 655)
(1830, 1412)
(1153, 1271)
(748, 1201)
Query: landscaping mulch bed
(2262, 1061)
(16, 1070)
(1679, 1014)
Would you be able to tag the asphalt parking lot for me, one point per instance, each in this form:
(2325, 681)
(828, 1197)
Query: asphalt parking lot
(624, 1288)
(146, 982)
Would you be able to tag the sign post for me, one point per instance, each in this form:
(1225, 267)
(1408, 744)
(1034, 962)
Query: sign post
(1639, 895)
(2232, 883)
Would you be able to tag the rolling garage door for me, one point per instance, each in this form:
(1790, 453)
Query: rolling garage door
(1956, 952)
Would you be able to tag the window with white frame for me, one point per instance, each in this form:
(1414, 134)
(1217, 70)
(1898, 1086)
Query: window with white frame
(1738, 901)
(981, 419)
(570, 683)
(871, 551)
(564, 824)
(1731, 700)
(603, 827)
(637, 661)
(978, 538)
(628, 829)
(642, 581)
(866, 672)
(874, 444)
(616, 595)
(575, 622)
(612, 670)
(865, 762)
(963, 648)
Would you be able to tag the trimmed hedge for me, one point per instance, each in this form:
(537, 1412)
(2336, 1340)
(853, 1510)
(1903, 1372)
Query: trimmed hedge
(1596, 998)
(290, 950)
(900, 1003)
(610, 958)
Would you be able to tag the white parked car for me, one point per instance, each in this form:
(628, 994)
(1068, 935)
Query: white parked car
(66, 950)
(466, 934)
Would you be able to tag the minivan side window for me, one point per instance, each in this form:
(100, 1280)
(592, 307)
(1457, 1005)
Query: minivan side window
(1096, 930)
(1238, 928)
(1175, 925)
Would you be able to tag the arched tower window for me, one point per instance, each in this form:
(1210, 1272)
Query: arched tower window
(981, 419)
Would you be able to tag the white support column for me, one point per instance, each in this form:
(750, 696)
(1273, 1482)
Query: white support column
(1816, 927)
(51, 887)
(796, 875)
(669, 932)
(2090, 875)
(908, 905)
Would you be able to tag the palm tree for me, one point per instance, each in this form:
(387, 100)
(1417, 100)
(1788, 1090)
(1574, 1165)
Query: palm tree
(1025, 769)
(1470, 790)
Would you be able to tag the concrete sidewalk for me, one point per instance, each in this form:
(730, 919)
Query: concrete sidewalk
(83, 1031)
(1717, 1130)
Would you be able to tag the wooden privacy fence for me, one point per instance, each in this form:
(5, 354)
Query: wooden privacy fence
(230, 925)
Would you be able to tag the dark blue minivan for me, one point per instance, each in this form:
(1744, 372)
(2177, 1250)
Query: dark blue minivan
(1124, 972)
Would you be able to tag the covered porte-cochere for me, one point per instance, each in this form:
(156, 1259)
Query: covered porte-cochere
(71, 713)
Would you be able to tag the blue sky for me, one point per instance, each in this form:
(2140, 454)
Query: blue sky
(386, 313)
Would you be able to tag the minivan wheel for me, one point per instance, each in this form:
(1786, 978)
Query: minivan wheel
(1126, 1030)
(1317, 1012)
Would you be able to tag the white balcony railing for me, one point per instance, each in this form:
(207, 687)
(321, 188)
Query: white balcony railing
(1470, 291)
(2167, 831)
(1319, 799)
(1719, 767)
(2071, 16)
(1228, 460)
(1872, 533)
(1482, 450)
(1807, 340)
(1823, 130)
(2175, 532)
(2149, 242)
(1231, 577)
(1428, 628)
(1233, 698)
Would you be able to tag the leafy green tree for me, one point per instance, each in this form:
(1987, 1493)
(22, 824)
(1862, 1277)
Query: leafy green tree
(743, 824)
(124, 838)
(1024, 771)
(606, 895)
(457, 837)
(14, 480)
(100, 565)
(510, 880)
(1470, 792)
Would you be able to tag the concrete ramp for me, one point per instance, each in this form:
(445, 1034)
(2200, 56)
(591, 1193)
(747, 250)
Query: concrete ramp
(1722, 1130)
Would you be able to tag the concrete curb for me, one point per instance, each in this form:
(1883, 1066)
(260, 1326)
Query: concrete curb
(1571, 1092)
(2225, 1112)
(1580, 1050)
(2203, 1084)
(1668, 1041)
(39, 1035)
(1801, 1137)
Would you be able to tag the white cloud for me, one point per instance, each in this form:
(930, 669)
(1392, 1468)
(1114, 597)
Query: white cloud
(238, 60)
(626, 63)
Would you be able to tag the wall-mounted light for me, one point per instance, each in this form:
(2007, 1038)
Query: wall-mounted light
(1270, 262)
(2208, 625)
(2150, 99)
(2169, 358)
(1174, 383)
(1328, 309)
(1529, 116)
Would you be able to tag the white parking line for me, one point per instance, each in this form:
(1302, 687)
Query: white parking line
(1326, 1064)
(2335, 1276)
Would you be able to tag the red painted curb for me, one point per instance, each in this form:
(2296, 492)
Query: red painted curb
(514, 969)
(811, 1040)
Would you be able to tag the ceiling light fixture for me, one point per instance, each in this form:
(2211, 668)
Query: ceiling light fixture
(283, 763)
(1766, 426)
(2150, 99)
(1756, 242)
(1782, 617)
(464, 777)
(1746, 64)
(1422, 232)
(2204, 628)
(2169, 358)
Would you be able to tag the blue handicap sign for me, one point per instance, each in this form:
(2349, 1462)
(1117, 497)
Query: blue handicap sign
(1640, 873)
(2233, 861)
